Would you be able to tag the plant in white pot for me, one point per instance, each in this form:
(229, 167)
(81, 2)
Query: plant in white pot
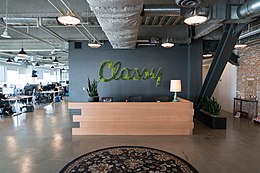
(92, 90)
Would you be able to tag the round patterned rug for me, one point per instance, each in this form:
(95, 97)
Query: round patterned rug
(125, 159)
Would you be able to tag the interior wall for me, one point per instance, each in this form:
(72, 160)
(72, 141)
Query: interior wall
(225, 90)
(180, 62)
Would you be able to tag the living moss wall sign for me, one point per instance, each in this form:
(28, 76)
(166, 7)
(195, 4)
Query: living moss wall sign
(117, 73)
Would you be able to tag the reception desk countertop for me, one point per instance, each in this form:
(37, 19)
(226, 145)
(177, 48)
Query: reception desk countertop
(134, 118)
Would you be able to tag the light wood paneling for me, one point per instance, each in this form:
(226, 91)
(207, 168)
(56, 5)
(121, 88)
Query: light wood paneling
(134, 118)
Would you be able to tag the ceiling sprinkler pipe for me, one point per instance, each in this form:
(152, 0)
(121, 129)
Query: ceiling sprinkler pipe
(161, 10)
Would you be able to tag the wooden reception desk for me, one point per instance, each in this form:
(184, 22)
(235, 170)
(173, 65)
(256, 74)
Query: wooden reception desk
(134, 118)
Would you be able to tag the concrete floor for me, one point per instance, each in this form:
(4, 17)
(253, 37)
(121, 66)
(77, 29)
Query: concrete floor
(41, 142)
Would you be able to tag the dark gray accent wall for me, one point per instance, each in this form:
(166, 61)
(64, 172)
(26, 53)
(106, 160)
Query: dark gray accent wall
(180, 62)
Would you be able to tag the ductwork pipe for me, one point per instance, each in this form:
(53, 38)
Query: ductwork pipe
(161, 10)
(250, 9)
(119, 19)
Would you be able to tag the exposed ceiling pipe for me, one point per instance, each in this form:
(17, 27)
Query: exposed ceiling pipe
(248, 34)
(55, 51)
(47, 30)
(7, 54)
(161, 10)
(120, 20)
(26, 34)
(249, 9)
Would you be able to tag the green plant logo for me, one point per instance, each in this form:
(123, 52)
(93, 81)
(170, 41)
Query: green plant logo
(128, 73)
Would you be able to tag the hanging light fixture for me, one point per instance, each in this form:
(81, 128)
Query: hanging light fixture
(167, 44)
(207, 55)
(37, 64)
(5, 33)
(240, 46)
(196, 18)
(52, 66)
(9, 60)
(68, 19)
(22, 53)
(94, 44)
(55, 61)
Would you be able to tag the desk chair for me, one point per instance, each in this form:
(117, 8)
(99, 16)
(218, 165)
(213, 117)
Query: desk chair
(162, 98)
(135, 98)
(107, 99)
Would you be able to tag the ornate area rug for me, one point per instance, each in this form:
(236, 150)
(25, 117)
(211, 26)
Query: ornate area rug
(128, 159)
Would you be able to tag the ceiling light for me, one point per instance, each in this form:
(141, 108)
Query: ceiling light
(68, 20)
(9, 60)
(167, 44)
(207, 55)
(22, 53)
(240, 46)
(195, 18)
(5, 33)
(55, 60)
(94, 44)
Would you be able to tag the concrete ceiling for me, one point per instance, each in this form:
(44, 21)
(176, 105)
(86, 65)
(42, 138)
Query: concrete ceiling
(33, 24)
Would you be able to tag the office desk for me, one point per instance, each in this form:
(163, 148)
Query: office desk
(134, 118)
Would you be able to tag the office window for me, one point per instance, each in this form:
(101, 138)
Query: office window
(2, 74)
(64, 75)
(12, 75)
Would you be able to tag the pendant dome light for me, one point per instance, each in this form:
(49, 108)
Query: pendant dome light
(196, 18)
(22, 53)
(9, 60)
(5, 33)
(94, 44)
(55, 61)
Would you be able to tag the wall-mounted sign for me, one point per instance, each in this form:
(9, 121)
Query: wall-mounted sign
(128, 73)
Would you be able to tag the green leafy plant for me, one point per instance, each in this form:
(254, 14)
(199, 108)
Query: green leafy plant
(211, 106)
(92, 88)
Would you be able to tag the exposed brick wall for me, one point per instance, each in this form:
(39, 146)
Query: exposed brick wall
(248, 73)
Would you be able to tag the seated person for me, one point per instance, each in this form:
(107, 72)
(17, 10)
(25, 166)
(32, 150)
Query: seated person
(5, 106)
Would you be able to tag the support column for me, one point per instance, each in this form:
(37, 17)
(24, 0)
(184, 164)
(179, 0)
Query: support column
(222, 55)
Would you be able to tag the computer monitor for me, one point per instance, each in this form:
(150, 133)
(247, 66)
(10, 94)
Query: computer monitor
(7, 91)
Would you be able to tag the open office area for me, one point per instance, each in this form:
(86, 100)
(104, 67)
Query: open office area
(129, 86)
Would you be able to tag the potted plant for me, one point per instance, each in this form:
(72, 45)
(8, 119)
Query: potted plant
(209, 114)
(92, 90)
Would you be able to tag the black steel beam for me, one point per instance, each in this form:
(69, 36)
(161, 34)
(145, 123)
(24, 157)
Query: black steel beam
(224, 50)
(233, 59)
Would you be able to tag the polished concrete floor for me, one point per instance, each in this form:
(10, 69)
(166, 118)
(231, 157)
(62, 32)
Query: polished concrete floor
(41, 142)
